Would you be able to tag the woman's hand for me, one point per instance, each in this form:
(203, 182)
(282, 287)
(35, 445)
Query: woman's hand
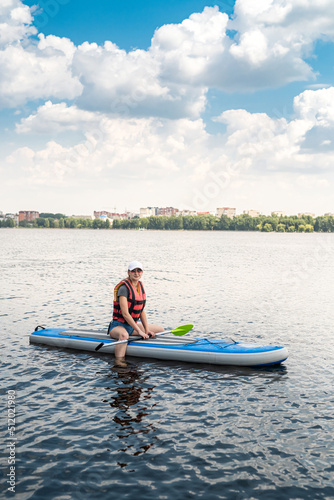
(146, 335)
(150, 334)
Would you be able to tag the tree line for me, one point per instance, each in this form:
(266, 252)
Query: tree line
(199, 222)
(67, 222)
(242, 222)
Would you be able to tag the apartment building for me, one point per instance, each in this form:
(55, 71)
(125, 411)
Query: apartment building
(229, 212)
(28, 215)
(185, 213)
(306, 214)
(147, 212)
(167, 211)
(112, 215)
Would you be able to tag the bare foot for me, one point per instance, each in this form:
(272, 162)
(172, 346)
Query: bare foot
(121, 362)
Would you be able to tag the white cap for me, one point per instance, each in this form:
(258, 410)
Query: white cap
(134, 265)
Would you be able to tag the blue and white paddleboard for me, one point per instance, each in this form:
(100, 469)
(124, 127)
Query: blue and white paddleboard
(188, 349)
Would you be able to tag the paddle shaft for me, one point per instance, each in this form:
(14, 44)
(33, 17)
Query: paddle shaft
(139, 338)
(181, 330)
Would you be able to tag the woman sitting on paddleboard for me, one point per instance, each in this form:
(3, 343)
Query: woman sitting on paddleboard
(129, 303)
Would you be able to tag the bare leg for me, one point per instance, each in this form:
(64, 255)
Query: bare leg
(119, 333)
(152, 328)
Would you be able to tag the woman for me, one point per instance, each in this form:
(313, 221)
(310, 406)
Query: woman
(129, 303)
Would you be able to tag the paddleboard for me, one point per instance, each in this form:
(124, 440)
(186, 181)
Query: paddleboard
(168, 347)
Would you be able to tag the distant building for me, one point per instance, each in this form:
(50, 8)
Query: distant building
(105, 218)
(147, 212)
(168, 211)
(97, 215)
(111, 215)
(278, 213)
(306, 214)
(131, 215)
(252, 213)
(14, 217)
(229, 212)
(88, 217)
(203, 213)
(329, 214)
(186, 213)
(28, 215)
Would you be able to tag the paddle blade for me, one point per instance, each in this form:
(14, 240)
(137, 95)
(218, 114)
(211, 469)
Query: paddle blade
(182, 330)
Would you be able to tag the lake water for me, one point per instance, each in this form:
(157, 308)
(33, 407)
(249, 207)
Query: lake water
(167, 430)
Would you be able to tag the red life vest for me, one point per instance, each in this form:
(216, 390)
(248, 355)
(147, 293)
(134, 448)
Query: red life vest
(136, 301)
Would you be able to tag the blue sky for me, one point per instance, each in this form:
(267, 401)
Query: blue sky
(190, 104)
(129, 24)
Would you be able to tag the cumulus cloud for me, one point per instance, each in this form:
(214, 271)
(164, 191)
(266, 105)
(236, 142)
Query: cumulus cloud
(37, 72)
(276, 144)
(267, 48)
(140, 111)
(55, 118)
(275, 36)
(316, 106)
(16, 22)
(129, 84)
(124, 148)
(153, 148)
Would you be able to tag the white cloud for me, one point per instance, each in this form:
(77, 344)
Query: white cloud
(312, 182)
(275, 36)
(151, 149)
(316, 106)
(130, 84)
(140, 111)
(16, 20)
(143, 149)
(186, 51)
(55, 118)
(37, 72)
(172, 77)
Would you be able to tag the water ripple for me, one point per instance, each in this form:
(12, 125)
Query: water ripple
(167, 430)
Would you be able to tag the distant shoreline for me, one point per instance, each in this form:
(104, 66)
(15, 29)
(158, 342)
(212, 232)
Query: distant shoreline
(244, 222)
(171, 230)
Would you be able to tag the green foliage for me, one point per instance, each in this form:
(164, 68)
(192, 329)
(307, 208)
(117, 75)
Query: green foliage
(24, 223)
(7, 223)
(41, 222)
(203, 222)
(47, 215)
(143, 222)
(245, 222)
(324, 224)
(224, 223)
(267, 227)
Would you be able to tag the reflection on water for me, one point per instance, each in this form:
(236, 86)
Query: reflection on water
(131, 402)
